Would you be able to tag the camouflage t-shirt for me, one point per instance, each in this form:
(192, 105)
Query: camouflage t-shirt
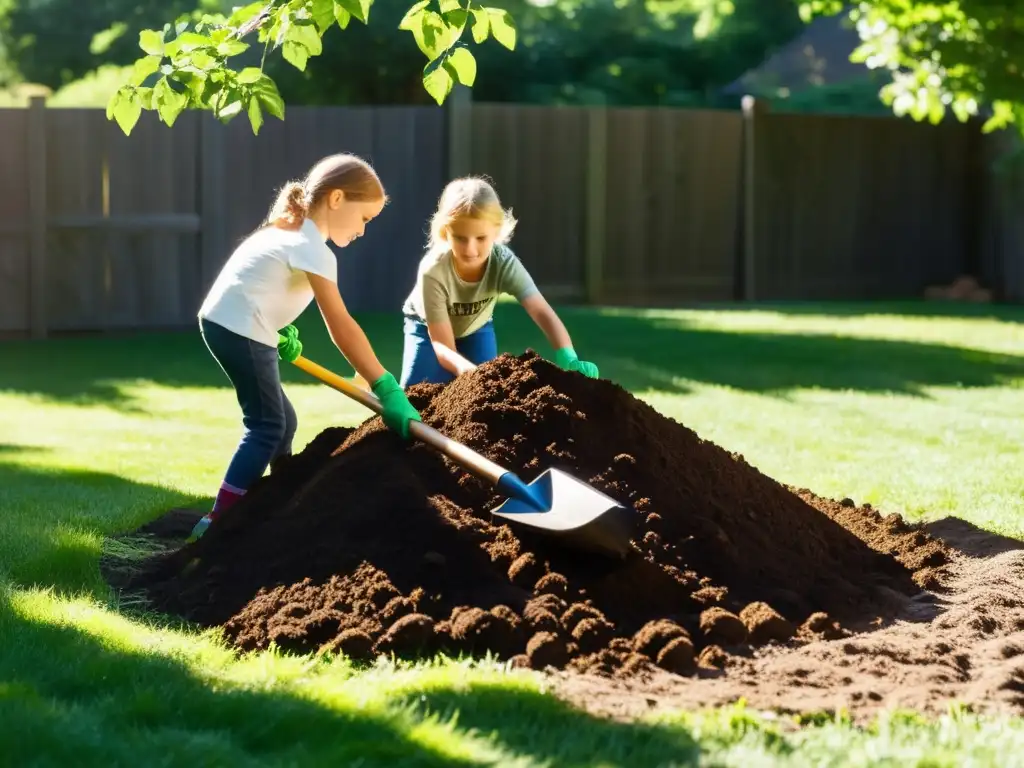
(440, 293)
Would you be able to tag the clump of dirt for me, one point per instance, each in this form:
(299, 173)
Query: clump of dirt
(364, 544)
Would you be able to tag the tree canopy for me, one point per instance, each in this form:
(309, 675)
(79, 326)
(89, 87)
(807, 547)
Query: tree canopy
(189, 61)
(957, 56)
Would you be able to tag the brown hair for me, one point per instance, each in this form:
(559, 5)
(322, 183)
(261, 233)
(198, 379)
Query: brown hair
(470, 197)
(349, 173)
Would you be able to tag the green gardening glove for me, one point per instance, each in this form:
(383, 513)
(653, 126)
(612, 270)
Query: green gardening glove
(288, 345)
(566, 358)
(398, 411)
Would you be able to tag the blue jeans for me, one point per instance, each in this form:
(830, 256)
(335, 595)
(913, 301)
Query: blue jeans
(419, 361)
(268, 417)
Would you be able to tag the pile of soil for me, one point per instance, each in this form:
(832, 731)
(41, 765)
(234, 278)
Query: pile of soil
(364, 544)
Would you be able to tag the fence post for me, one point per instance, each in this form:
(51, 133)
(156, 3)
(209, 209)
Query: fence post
(595, 215)
(460, 131)
(38, 298)
(212, 199)
(752, 107)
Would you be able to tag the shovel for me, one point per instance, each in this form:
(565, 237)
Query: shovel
(555, 503)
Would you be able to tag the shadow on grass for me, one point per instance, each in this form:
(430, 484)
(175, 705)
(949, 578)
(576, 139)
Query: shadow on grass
(83, 698)
(545, 727)
(664, 353)
(639, 352)
(115, 706)
(54, 521)
(94, 370)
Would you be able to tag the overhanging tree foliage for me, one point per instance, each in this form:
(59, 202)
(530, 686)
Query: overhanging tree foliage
(962, 56)
(959, 56)
(188, 64)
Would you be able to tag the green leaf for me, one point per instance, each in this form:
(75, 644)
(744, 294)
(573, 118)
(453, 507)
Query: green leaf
(189, 41)
(250, 75)
(463, 65)
(246, 13)
(862, 53)
(270, 99)
(255, 115)
(227, 103)
(103, 39)
(114, 100)
(201, 60)
(411, 20)
(197, 86)
(143, 68)
(448, 5)
(230, 110)
(306, 36)
(1002, 116)
(438, 83)
(342, 16)
(432, 35)
(936, 109)
(126, 110)
(323, 14)
(145, 97)
(503, 27)
(360, 9)
(232, 47)
(481, 25)
(168, 102)
(152, 42)
(295, 54)
(457, 18)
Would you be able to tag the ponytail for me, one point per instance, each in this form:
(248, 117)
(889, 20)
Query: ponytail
(292, 204)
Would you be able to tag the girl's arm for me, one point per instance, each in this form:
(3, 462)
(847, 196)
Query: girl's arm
(547, 320)
(345, 332)
(443, 340)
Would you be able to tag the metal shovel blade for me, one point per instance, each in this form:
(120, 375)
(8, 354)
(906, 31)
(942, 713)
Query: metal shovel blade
(557, 503)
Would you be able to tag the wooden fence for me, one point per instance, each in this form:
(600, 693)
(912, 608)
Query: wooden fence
(634, 206)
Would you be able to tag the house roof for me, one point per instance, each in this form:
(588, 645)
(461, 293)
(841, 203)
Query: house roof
(819, 56)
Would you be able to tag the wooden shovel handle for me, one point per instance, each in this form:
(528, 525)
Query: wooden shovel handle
(461, 454)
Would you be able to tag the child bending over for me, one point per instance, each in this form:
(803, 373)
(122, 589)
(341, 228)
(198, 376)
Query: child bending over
(267, 282)
(449, 325)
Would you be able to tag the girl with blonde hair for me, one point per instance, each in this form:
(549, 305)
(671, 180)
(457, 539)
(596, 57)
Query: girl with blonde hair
(449, 325)
(266, 283)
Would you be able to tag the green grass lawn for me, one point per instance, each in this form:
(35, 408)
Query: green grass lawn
(918, 409)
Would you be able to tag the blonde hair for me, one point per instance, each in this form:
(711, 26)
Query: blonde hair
(471, 197)
(349, 173)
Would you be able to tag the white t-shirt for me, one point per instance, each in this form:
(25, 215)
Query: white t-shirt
(263, 285)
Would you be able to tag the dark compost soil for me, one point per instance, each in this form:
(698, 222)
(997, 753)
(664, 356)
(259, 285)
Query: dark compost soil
(366, 545)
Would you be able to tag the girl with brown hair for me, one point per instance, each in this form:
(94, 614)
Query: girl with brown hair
(267, 282)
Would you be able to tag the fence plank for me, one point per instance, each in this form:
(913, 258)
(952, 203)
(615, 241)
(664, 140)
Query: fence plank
(673, 196)
(1001, 230)
(80, 278)
(859, 207)
(414, 177)
(38, 266)
(536, 158)
(15, 254)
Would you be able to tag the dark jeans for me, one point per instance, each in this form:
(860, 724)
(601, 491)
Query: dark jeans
(420, 363)
(268, 417)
